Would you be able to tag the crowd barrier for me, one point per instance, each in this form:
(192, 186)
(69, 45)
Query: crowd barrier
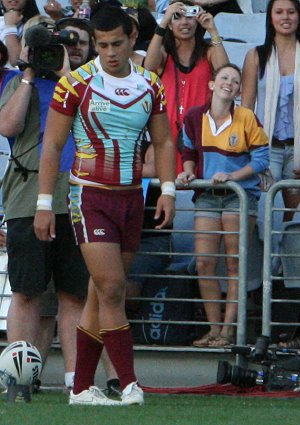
(181, 255)
(181, 269)
(285, 252)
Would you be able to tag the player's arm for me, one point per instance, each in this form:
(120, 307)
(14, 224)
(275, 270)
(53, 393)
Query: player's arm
(57, 131)
(165, 162)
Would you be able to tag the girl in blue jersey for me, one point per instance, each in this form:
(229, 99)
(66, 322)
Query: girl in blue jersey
(222, 142)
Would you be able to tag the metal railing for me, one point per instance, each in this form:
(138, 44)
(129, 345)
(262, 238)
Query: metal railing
(175, 256)
(242, 256)
(270, 255)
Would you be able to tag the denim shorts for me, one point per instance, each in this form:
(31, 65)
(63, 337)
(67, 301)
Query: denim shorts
(282, 162)
(219, 205)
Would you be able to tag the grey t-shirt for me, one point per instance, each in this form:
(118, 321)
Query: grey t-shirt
(20, 195)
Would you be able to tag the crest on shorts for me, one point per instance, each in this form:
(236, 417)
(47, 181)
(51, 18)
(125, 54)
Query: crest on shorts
(233, 140)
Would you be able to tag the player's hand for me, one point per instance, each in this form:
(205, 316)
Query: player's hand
(166, 204)
(44, 225)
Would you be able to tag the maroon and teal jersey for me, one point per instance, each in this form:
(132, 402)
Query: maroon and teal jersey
(110, 115)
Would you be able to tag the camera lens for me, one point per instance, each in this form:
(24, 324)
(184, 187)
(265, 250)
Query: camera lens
(261, 347)
(236, 375)
(244, 378)
(224, 372)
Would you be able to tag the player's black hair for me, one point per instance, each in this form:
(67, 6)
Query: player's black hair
(109, 18)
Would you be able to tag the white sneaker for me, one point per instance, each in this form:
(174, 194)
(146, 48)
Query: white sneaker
(132, 394)
(93, 397)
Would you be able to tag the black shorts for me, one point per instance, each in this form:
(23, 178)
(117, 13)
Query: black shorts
(32, 263)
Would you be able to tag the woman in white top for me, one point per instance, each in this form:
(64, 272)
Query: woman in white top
(271, 77)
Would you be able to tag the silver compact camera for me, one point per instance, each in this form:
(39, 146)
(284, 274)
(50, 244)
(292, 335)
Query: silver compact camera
(192, 11)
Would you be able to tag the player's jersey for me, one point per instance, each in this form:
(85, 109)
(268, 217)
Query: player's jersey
(110, 115)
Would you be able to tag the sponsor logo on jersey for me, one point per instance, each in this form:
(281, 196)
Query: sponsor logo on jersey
(99, 105)
(122, 92)
(99, 232)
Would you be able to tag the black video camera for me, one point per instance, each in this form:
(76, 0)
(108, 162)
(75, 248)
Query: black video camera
(277, 372)
(46, 51)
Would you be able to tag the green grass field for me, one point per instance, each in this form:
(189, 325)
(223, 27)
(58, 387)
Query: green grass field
(52, 409)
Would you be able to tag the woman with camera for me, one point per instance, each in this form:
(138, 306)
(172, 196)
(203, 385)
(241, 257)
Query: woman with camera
(222, 142)
(184, 60)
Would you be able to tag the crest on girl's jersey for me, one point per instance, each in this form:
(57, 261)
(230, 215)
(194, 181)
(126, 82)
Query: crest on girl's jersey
(233, 140)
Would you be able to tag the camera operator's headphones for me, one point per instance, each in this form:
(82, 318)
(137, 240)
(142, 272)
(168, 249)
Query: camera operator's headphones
(82, 24)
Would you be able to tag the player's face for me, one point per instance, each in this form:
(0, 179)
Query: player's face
(114, 49)
(78, 53)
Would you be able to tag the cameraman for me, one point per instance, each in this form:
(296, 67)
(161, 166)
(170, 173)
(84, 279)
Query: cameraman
(31, 263)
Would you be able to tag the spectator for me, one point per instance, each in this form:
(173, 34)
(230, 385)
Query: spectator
(15, 14)
(226, 143)
(147, 25)
(24, 105)
(55, 10)
(184, 60)
(271, 76)
(96, 124)
(143, 26)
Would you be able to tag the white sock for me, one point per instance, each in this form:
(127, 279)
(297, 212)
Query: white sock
(69, 379)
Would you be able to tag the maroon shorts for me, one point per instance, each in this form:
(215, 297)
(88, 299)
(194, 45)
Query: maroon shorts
(101, 215)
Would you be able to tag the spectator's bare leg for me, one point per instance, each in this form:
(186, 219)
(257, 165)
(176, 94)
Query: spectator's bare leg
(291, 198)
(206, 266)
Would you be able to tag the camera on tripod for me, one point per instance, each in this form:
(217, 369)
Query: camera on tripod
(46, 50)
(276, 373)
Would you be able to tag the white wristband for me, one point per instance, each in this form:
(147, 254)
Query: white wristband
(44, 202)
(168, 188)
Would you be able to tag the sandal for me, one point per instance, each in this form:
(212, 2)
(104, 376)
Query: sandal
(221, 341)
(292, 344)
(205, 340)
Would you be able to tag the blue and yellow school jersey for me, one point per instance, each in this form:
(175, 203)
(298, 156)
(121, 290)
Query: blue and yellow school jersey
(240, 142)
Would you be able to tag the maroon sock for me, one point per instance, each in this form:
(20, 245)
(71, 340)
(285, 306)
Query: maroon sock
(89, 348)
(119, 346)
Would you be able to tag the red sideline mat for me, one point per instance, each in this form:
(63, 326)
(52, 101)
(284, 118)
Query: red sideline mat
(227, 389)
